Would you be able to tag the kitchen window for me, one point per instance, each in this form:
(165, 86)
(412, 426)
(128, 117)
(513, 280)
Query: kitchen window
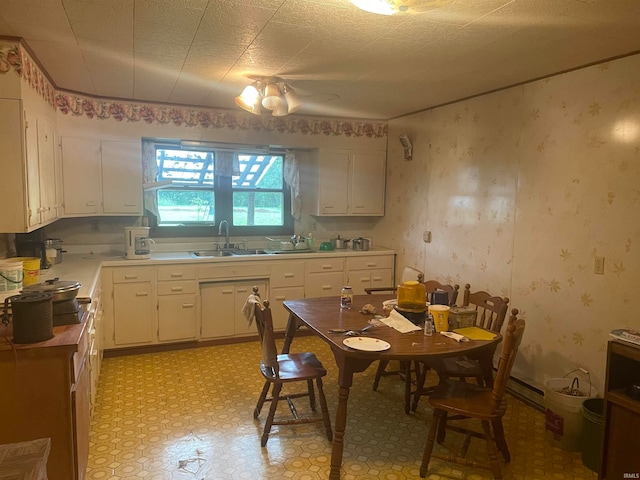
(200, 187)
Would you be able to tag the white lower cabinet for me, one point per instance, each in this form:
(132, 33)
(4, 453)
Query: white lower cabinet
(369, 272)
(324, 277)
(287, 283)
(133, 306)
(188, 301)
(177, 303)
(221, 308)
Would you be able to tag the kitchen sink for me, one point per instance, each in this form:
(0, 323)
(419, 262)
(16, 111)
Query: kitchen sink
(211, 253)
(226, 253)
(249, 252)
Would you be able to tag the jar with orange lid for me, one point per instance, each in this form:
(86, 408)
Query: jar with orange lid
(412, 296)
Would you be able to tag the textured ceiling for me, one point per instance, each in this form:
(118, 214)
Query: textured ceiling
(343, 61)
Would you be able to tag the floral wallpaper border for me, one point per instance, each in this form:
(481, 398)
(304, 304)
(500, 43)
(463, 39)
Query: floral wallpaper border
(16, 57)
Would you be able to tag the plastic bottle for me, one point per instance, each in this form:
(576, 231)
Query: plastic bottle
(428, 325)
(346, 297)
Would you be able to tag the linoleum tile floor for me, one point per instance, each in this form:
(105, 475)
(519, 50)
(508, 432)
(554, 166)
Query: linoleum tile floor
(188, 415)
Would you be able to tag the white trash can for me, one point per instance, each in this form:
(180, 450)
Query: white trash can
(564, 411)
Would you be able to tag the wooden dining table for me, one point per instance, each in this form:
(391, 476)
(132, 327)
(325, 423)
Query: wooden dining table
(323, 314)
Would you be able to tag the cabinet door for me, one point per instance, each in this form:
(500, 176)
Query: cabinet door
(122, 177)
(324, 284)
(81, 176)
(217, 309)
(177, 319)
(359, 280)
(47, 163)
(242, 291)
(33, 171)
(279, 313)
(334, 183)
(133, 313)
(81, 408)
(367, 183)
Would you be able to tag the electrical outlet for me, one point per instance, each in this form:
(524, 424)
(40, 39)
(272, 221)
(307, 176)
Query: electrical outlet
(598, 266)
(426, 236)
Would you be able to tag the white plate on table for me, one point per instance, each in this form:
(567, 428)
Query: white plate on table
(366, 344)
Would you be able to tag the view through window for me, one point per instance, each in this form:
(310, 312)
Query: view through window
(247, 191)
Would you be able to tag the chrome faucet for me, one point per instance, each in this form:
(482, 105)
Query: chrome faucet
(226, 232)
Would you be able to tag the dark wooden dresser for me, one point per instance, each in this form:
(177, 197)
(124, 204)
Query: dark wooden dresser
(621, 413)
(45, 393)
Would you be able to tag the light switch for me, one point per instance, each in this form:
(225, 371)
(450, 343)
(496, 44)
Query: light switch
(426, 236)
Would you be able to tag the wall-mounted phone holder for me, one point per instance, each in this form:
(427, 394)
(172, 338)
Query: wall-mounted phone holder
(406, 145)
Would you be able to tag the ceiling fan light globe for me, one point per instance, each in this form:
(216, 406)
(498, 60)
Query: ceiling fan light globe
(249, 99)
(280, 111)
(384, 7)
(271, 99)
(294, 102)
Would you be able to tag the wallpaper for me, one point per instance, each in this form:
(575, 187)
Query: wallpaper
(521, 189)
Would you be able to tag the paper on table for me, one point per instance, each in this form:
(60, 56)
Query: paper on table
(475, 333)
(399, 323)
(455, 336)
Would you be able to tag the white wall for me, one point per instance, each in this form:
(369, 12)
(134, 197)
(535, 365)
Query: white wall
(521, 189)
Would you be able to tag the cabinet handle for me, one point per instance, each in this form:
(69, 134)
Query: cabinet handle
(364, 279)
(359, 206)
(90, 204)
(289, 275)
(130, 204)
(372, 264)
(326, 287)
(176, 275)
(142, 294)
(227, 291)
(176, 289)
(187, 305)
(243, 290)
(130, 277)
(376, 279)
(327, 267)
(281, 298)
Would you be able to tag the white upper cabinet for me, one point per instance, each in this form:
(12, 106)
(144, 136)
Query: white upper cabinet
(101, 177)
(344, 183)
(28, 180)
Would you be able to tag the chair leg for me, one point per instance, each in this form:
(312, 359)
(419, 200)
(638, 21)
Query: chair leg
(421, 378)
(442, 427)
(261, 399)
(431, 437)
(382, 366)
(501, 442)
(312, 395)
(492, 450)
(325, 410)
(407, 386)
(277, 388)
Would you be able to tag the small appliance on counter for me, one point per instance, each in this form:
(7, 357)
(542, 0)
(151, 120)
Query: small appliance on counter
(137, 243)
(65, 306)
(32, 245)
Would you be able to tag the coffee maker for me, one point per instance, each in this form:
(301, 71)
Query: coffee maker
(32, 245)
(137, 243)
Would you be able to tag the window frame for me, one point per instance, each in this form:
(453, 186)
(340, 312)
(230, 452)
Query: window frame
(223, 197)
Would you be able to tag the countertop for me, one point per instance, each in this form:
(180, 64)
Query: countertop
(85, 268)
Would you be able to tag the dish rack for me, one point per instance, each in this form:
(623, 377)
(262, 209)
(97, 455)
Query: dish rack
(278, 245)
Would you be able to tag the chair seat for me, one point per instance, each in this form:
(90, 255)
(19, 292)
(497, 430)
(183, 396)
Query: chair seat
(466, 399)
(294, 367)
(451, 368)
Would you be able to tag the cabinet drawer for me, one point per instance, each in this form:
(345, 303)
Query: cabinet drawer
(132, 274)
(176, 288)
(363, 263)
(325, 265)
(323, 284)
(252, 270)
(177, 272)
(287, 274)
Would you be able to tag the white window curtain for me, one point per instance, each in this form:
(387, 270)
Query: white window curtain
(150, 175)
(292, 178)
